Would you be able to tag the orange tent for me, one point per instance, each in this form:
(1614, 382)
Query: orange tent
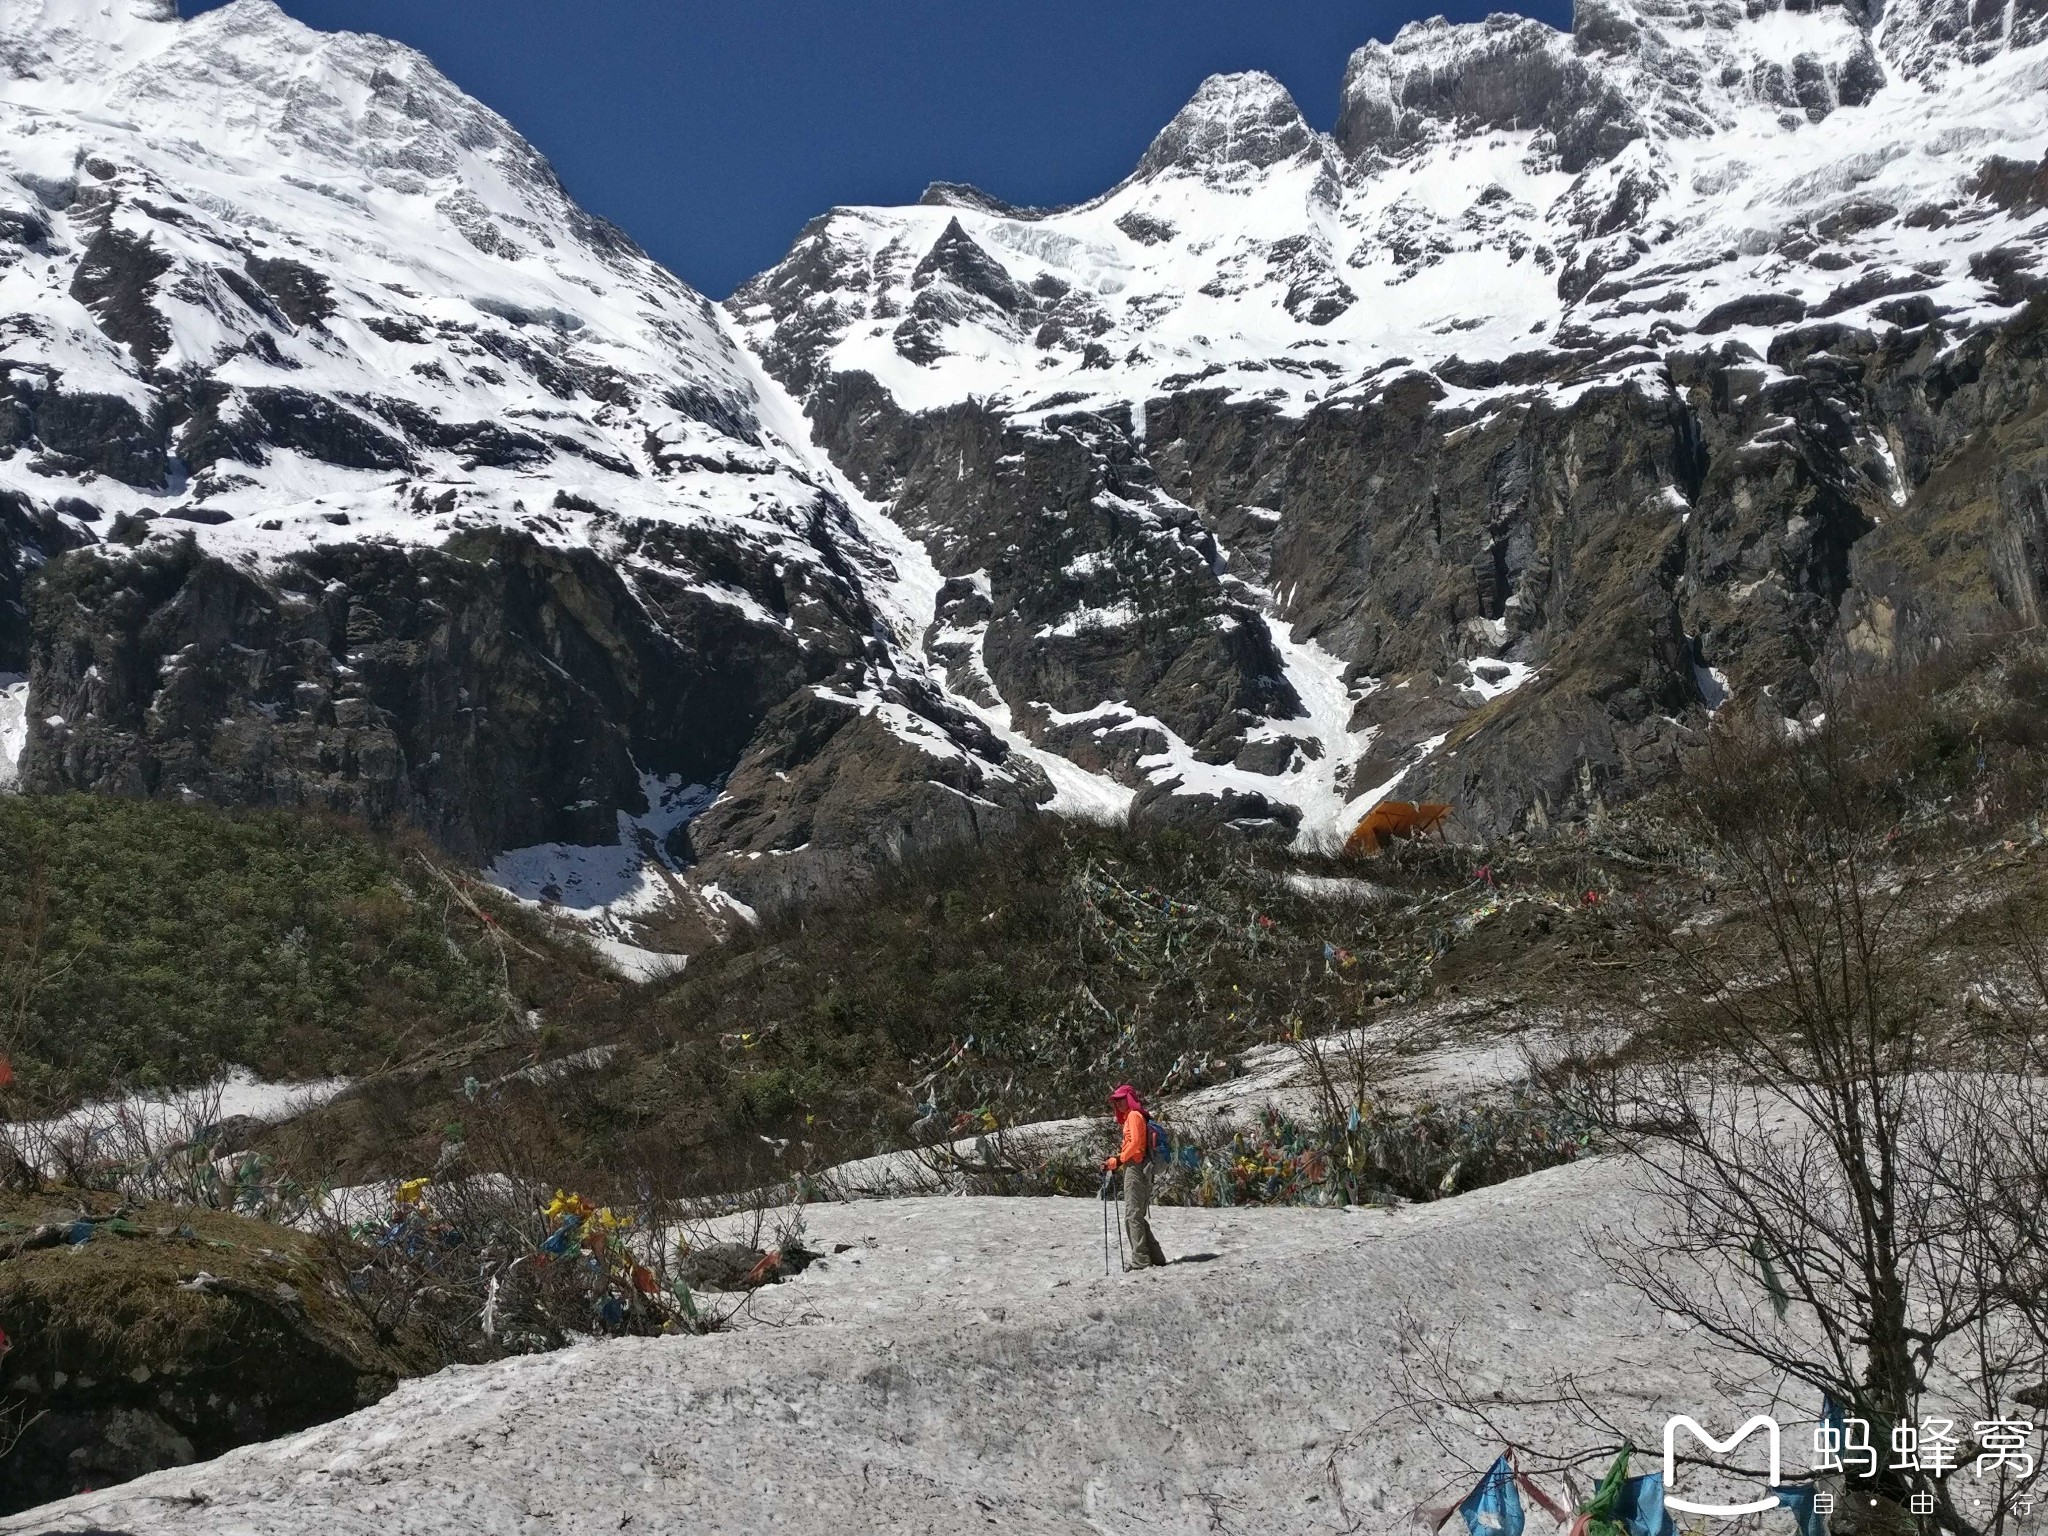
(1396, 818)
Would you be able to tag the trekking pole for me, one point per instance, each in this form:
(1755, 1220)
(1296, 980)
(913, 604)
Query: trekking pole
(1121, 1261)
(1105, 1224)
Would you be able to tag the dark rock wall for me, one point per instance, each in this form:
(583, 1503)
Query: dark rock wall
(1100, 586)
(494, 691)
(29, 536)
(498, 692)
(1856, 500)
(1967, 556)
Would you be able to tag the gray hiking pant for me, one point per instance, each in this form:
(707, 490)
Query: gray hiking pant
(1137, 1217)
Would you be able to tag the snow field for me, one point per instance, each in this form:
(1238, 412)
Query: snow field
(965, 1364)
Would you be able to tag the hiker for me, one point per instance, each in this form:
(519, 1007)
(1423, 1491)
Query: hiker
(1134, 1157)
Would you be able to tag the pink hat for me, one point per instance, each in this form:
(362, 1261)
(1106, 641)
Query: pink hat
(1124, 1093)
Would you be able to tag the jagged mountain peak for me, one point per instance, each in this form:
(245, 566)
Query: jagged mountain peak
(1246, 120)
(259, 202)
(1629, 68)
(248, 78)
(956, 257)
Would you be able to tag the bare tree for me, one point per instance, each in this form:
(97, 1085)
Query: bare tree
(1832, 1086)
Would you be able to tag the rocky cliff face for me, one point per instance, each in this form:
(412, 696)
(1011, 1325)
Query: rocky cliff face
(1572, 386)
(346, 463)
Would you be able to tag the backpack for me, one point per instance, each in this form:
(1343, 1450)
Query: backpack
(1158, 1145)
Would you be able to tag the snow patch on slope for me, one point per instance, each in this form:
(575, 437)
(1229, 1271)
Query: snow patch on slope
(607, 890)
(142, 1124)
(13, 726)
(617, 880)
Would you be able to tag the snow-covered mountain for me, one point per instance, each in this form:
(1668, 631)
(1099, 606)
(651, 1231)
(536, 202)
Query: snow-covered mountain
(1481, 184)
(1484, 443)
(1570, 385)
(396, 483)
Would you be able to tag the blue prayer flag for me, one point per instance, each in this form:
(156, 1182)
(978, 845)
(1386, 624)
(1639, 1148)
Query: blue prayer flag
(1640, 1509)
(1494, 1507)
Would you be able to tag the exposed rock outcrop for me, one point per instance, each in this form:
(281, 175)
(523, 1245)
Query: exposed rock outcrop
(156, 1336)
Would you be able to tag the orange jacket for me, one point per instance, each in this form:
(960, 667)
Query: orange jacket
(1137, 1144)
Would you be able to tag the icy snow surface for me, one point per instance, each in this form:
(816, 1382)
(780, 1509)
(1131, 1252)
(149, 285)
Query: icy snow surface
(589, 882)
(967, 1364)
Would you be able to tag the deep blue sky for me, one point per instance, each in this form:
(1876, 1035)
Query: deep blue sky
(711, 130)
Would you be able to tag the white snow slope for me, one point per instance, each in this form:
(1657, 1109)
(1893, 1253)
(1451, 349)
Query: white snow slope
(967, 1365)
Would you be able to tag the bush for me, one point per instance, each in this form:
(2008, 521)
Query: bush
(488, 1266)
(992, 985)
(1376, 1155)
(1380, 1154)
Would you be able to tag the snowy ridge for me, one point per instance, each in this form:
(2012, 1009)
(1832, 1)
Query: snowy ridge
(1248, 253)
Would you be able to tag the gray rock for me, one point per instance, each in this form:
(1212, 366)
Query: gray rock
(1507, 73)
(1243, 120)
(130, 1442)
(494, 691)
